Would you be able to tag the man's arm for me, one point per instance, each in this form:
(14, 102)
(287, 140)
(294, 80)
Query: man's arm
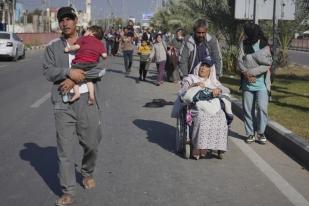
(183, 59)
(51, 71)
(216, 55)
(258, 70)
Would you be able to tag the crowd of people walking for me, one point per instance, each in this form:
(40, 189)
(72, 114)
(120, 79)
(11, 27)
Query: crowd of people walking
(194, 61)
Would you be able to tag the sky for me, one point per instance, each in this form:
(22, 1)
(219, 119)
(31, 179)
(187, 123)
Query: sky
(100, 8)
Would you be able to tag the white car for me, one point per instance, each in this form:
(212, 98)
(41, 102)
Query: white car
(11, 46)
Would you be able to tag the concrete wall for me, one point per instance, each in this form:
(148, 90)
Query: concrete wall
(302, 44)
(37, 39)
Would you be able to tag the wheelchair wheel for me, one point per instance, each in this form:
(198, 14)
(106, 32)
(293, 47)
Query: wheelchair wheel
(183, 146)
(179, 136)
(186, 142)
(187, 152)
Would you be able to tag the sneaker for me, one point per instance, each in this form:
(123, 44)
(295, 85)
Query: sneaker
(250, 139)
(261, 139)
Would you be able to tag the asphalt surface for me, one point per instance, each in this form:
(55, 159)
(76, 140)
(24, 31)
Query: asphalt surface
(137, 164)
(298, 57)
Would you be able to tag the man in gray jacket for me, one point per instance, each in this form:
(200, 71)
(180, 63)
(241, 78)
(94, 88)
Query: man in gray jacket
(75, 121)
(197, 46)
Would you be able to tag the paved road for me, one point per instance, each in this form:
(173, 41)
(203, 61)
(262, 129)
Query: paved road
(137, 163)
(299, 57)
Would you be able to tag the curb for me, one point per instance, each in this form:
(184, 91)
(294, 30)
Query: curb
(291, 144)
(299, 49)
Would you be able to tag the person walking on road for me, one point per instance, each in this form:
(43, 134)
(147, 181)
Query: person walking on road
(175, 45)
(254, 62)
(127, 49)
(158, 54)
(76, 121)
(144, 51)
(197, 46)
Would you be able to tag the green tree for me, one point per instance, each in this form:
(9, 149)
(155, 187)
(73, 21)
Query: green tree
(287, 29)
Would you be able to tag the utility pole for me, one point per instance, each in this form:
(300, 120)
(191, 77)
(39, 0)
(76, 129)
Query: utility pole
(13, 16)
(254, 11)
(275, 21)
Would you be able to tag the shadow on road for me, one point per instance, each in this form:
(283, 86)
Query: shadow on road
(236, 135)
(44, 161)
(158, 133)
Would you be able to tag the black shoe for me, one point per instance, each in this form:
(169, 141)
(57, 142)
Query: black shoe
(261, 139)
(250, 139)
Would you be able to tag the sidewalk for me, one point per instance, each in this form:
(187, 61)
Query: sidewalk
(293, 145)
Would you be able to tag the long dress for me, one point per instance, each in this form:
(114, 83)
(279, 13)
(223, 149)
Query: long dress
(209, 131)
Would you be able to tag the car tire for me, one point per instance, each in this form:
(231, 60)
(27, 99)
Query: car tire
(15, 57)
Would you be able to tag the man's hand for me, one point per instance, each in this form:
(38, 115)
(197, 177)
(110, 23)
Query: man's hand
(252, 79)
(66, 85)
(216, 92)
(77, 75)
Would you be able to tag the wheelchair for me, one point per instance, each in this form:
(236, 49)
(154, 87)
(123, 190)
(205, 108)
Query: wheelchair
(183, 140)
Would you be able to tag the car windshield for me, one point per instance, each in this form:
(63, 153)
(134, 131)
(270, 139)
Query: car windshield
(4, 36)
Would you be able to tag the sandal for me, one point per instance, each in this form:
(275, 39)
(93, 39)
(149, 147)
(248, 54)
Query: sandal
(203, 153)
(65, 199)
(196, 154)
(196, 157)
(220, 154)
(88, 182)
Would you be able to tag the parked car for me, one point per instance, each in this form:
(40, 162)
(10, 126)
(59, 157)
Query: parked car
(11, 46)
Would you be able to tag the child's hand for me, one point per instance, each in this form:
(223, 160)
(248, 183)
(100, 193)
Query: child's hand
(66, 49)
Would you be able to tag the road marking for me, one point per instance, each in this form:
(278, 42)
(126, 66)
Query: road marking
(41, 101)
(287, 190)
(3, 65)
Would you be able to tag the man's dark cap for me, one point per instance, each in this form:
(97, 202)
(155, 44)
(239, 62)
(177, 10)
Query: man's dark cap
(66, 12)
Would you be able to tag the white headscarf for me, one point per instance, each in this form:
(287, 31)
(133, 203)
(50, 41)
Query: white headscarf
(211, 82)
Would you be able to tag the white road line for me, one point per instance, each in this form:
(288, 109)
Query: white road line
(287, 190)
(3, 65)
(40, 101)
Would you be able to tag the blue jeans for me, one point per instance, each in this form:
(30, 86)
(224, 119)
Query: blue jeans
(255, 122)
(127, 57)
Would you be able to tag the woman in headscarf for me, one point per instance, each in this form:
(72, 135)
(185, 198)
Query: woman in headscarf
(254, 63)
(209, 127)
(158, 54)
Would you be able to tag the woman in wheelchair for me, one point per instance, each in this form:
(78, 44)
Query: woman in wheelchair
(206, 94)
